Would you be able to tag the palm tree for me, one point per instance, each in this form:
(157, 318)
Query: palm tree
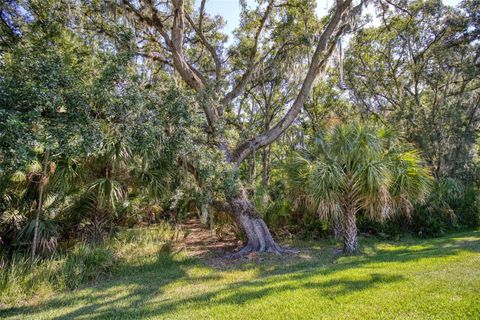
(353, 168)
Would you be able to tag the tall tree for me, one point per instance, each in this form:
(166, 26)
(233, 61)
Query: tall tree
(171, 32)
(420, 71)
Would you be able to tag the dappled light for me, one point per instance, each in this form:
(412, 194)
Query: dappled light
(285, 159)
(185, 286)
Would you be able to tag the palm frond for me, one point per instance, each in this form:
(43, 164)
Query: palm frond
(108, 191)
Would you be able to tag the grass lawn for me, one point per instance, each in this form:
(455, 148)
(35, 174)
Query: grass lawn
(412, 279)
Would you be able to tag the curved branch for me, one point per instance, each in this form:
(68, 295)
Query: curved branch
(208, 45)
(240, 86)
(326, 44)
(155, 56)
(192, 77)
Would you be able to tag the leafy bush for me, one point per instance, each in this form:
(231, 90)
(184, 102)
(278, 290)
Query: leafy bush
(274, 209)
(390, 229)
(467, 210)
(450, 206)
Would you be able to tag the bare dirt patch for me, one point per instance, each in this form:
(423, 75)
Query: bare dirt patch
(202, 242)
(213, 249)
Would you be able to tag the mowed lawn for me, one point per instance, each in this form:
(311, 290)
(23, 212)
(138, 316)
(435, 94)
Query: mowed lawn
(412, 279)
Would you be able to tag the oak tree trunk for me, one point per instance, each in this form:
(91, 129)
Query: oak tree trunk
(250, 221)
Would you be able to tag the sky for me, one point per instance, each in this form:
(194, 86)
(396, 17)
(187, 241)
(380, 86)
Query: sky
(230, 10)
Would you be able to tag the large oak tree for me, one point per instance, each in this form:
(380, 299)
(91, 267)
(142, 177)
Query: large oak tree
(188, 44)
(174, 31)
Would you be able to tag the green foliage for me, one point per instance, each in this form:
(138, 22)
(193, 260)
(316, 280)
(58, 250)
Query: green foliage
(382, 173)
(86, 263)
(275, 210)
(83, 264)
(417, 72)
(104, 127)
(450, 206)
(52, 83)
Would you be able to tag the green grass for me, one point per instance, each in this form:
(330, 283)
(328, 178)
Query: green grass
(20, 280)
(413, 279)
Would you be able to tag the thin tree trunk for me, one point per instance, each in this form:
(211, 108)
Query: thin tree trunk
(41, 189)
(253, 171)
(203, 213)
(350, 236)
(211, 222)
(265, 162)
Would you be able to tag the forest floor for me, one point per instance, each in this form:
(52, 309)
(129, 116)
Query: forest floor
(408, 279)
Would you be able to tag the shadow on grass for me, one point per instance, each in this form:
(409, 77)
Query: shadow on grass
(141, 291)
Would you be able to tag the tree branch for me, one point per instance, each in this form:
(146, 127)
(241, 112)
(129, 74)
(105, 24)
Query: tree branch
(191, 77)
(326, 44)
(155, 56)
(240, 86)
(210, 48)
(188, 73)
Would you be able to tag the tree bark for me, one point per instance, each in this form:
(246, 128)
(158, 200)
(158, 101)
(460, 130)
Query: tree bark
(204, 213)
(337, 228)
(350, 236)
(248, 218)
(265, 169)
(41, 189)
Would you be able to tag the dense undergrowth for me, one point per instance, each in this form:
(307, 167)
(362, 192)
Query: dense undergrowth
(20, 279)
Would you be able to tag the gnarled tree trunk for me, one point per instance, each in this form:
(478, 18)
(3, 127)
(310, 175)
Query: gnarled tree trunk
(250, 221)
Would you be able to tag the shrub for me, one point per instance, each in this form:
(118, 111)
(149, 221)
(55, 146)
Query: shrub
(86, 263)
(429, 221)
(391, 229)
(467, 209)
(450, 206)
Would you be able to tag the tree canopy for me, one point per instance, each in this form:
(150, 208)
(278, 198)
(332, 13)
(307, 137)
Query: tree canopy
(116, 113)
